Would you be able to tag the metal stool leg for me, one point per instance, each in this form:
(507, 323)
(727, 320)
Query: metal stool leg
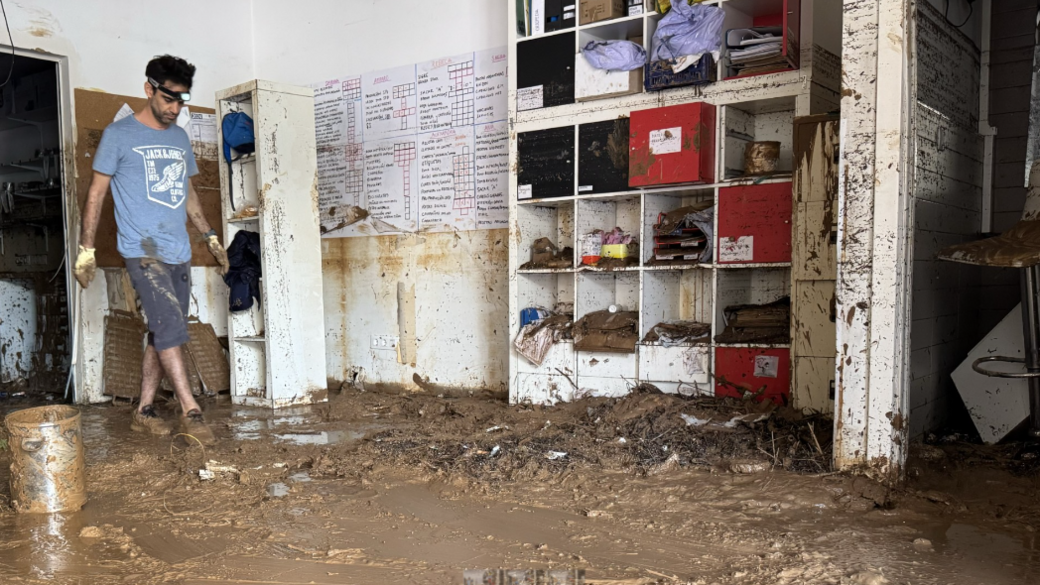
(1031, 331)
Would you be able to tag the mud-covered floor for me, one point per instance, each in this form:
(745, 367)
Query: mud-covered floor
(377, 487)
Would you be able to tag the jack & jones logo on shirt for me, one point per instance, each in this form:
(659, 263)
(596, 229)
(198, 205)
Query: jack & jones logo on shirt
(164, 170)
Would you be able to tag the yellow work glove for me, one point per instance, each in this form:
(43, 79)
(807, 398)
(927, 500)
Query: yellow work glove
(219, 253)
(85, 266)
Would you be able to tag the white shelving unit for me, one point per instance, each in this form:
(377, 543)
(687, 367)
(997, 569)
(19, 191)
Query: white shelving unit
(278, 346)
(751, 108)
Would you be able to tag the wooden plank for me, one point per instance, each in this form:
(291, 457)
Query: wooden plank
(94, 112)
(812, 380)
(815, 243)
(814, 323)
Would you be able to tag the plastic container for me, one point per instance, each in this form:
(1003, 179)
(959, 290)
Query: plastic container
(617, 250)
(658, 75)
(48, 466)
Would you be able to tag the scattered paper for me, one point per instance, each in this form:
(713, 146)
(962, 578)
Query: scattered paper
(123, 112)
(554, 455)
(666, 141)
(740, 249)
(692, 421)
(497, 428)
(529, 98)
(621, 440)
(216, 467)
(205, 474)
(494, 451)
(766, 366)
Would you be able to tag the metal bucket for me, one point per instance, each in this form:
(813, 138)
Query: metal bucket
(48, 468)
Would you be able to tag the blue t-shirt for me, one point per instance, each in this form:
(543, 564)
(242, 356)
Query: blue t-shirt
(149, 170)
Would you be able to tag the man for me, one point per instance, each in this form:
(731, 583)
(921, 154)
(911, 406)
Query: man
(147, 160)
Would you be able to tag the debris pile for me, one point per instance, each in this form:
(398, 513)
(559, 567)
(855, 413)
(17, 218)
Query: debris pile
(683, 236)
(768, 323)
(672, 333)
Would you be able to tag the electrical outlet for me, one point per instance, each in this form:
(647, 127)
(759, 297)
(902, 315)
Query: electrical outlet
(387, 342)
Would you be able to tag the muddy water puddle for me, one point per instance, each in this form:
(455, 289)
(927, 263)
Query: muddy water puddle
(296, 426)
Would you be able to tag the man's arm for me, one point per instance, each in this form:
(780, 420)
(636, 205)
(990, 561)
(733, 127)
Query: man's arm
(92, 210)
(199, 221)
(86, 266)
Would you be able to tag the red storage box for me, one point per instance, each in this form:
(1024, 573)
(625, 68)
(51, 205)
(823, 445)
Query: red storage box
(766, 372)
(672, 145)
(754, 224)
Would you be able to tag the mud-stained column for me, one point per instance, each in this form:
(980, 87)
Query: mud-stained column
(874, 245)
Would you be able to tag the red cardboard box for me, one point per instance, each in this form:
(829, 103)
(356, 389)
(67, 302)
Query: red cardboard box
(670, 145)
(754, 224)
(766, 372)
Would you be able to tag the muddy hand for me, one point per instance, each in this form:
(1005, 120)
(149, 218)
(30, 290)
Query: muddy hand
(85, 266)
(219, 253)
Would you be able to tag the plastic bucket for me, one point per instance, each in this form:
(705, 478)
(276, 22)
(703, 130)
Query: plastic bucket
(48, 467)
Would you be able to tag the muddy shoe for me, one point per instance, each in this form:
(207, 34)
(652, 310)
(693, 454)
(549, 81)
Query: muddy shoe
(146, 421)
(193, 424)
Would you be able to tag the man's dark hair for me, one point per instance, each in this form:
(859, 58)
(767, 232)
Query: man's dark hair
(170, 69)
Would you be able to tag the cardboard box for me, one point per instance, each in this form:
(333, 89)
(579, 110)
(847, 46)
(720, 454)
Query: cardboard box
(675, 144)
(597, 84)
(597, 10)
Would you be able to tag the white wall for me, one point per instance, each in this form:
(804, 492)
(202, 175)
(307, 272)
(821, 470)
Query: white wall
(460, 314)
(109, 42)
(330, 38)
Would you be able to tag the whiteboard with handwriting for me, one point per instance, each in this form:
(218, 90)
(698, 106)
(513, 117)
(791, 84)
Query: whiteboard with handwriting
(421, 148)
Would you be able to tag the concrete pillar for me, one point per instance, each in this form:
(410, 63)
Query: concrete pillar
(874, 238)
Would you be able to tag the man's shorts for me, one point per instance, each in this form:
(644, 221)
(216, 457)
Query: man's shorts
(165, 292)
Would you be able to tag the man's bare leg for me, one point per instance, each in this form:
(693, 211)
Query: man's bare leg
(145, 417)
(172, 362)
(151, 377)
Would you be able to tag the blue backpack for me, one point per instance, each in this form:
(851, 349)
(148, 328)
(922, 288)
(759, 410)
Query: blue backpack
(237, 129)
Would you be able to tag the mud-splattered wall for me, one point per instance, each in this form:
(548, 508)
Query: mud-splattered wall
(1013, 36)
(444, 295)
(947, 193)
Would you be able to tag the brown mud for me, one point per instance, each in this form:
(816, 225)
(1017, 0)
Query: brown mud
(384, 487)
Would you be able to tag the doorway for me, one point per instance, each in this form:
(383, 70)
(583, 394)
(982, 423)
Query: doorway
(34, 312)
